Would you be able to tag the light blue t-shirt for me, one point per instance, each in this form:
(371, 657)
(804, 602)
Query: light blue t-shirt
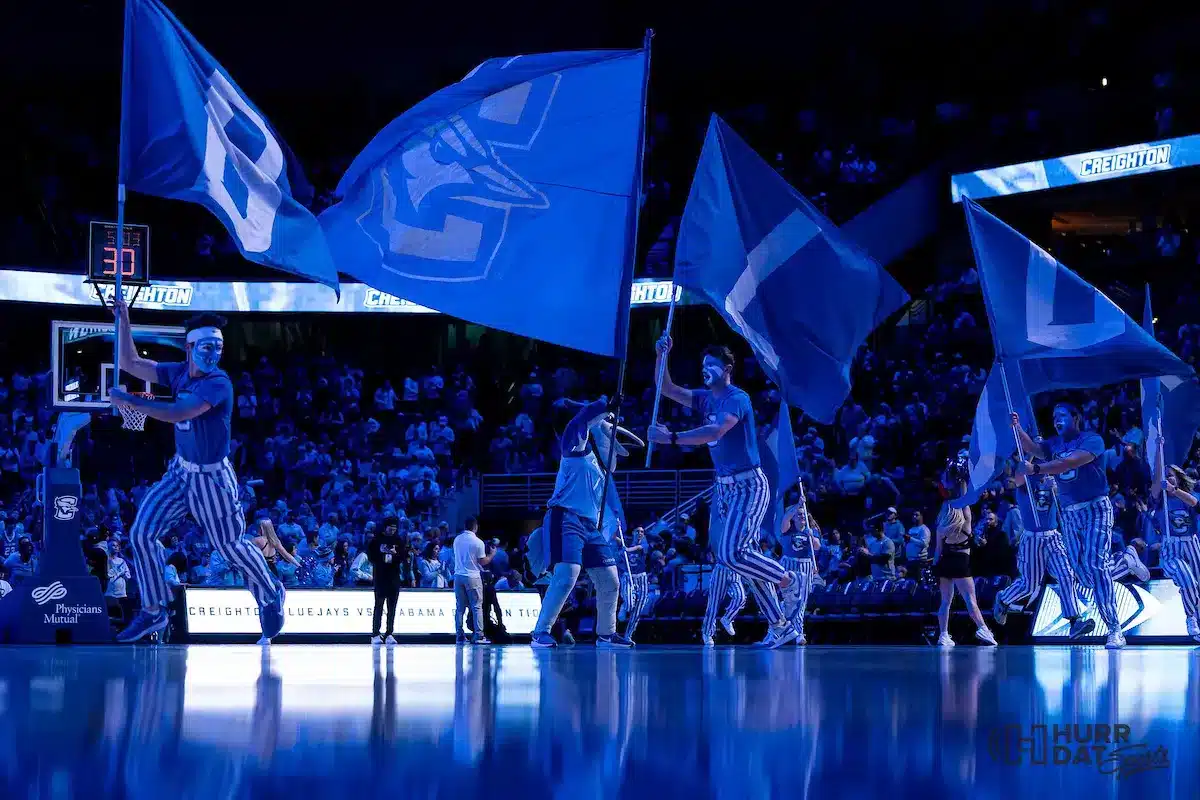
(203, 439)
(737, 450)
(1181, 517)
(1046, 519)
(1089, 481)
(580, 478)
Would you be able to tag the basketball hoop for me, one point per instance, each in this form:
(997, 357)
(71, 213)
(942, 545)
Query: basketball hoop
(134, 419)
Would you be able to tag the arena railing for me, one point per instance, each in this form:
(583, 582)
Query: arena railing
(643, 490)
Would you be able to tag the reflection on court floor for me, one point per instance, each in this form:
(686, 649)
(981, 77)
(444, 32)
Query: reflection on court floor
(431, 721)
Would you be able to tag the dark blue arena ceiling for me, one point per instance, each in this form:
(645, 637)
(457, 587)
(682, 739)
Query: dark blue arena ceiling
(331, 75)
(828, 54)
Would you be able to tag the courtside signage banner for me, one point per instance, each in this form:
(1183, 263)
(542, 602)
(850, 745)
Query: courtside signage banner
(22, 286)
(349, 612)
(1147, 611)
(1099, 165)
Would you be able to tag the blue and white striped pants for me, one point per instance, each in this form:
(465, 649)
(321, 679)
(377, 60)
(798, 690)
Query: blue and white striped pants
(724, 582)
(210, 495)
(806, 571)
(635, 590)
(1087, 534)
(738, 511)
(1040, 552)
(1181, 561)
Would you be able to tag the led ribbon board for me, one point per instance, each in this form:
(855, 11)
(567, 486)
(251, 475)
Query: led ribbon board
(24, 286)
(1098, 165)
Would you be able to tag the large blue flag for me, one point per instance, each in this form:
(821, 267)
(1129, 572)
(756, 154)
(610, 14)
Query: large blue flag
(992, 439)
(1065, 333)
(189, 133)
(1170, 408)
(507, 199)
(778, 451)
(780, 273)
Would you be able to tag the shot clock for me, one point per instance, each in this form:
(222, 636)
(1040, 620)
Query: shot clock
(132, 257)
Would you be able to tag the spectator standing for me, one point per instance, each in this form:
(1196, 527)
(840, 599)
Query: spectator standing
(469, 556)
(893, 528)
(916, 541)
(118, 574)
(880, 551)
(388, 555)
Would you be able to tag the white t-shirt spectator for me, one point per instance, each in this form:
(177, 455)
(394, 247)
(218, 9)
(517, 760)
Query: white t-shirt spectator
(118, 573)
(410, 390)
(917, 547)
(468, 549)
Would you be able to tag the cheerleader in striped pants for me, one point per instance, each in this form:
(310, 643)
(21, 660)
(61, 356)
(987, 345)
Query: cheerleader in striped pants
(1041, 550)
(635, 589)
(724, 582)
(800, 556)
(1180, 544)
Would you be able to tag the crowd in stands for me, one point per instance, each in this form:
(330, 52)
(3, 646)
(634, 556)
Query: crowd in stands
(325, 450)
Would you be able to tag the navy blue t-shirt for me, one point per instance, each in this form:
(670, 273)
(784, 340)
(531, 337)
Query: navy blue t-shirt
(798, 544)
(637, 561)
(1181, 517)
(737, 450)
(203, 439)
(1042, 487)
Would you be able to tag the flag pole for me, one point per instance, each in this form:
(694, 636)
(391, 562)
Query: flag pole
(631, 254)
(1020, 450)
(119, 266)
(1161, 457)
(662, 369)
(1000, 360)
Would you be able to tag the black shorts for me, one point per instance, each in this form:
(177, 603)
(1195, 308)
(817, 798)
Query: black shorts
(953, 564)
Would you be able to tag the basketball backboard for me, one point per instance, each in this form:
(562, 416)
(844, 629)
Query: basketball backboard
(81, 360)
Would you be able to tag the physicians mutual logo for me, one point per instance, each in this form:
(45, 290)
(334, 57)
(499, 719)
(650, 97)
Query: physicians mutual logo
(1108, 748)
(1140, 158)
(66, 507)
(439, 210)
(48, 594)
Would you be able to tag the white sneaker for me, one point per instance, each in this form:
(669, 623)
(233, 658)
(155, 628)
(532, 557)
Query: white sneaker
(727, 625)
(945, 641)
(707, 641)
(1193, 628)
(376, 640)
(985, 635)
(801, 640)
(1116, 639)
(390, 639)
(791, 596)
(1135, 564)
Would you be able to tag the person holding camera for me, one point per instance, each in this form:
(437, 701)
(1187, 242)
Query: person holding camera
(388, 555)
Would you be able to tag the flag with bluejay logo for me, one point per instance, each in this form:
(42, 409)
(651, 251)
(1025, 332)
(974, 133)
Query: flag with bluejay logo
(189, 133)
(1170, 408)
(1064, 332)
(507, 199)
(782, 275)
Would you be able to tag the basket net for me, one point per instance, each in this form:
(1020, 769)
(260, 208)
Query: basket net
(133, 419)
